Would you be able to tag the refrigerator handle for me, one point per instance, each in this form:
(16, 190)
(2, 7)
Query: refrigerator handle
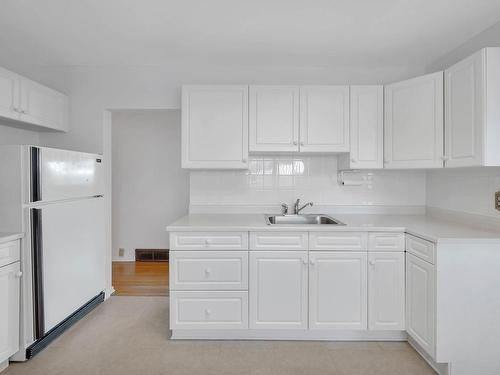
(36, 191)
(37, 262)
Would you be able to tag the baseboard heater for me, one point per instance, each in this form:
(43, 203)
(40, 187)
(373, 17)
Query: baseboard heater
(50, 336)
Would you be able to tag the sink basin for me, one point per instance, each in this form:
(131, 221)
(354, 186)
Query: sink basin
(311, 219)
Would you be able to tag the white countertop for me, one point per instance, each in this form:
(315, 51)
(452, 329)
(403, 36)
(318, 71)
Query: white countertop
(8, 236)
(424, 226)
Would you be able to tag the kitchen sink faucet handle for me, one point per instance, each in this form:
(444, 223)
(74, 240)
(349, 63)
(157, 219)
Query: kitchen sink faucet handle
(284, 208)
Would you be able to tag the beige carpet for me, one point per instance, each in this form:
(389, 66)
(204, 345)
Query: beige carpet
(128, 335)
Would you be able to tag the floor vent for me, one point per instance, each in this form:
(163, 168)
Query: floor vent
(151, 255)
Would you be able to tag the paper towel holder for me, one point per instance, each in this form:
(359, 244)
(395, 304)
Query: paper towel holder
(341, 178)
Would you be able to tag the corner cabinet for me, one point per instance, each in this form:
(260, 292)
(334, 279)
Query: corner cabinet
(23, 100)
(215, 127)
(299, 119)
(472, 112)
(413, 134)
(366, 129)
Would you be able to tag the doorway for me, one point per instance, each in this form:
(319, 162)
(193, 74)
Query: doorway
(149, 191)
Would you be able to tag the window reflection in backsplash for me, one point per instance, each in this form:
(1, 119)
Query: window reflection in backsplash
(271, 179)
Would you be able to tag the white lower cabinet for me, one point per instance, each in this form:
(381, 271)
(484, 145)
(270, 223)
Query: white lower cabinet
(338, 290)
(9, 310)
(278, 289)
(386, 291)
(420, 302)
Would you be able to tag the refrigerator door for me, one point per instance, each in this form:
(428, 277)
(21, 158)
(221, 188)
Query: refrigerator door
(68, 259)
(60, 174)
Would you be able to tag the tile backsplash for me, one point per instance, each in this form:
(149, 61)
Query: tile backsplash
(272, 179)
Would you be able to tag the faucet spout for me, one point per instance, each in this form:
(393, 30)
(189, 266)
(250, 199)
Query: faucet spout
(297, 209)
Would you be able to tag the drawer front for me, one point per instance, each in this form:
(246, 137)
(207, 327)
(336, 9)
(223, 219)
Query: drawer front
(209, 241)
(278, 241)
(423, 249)
(208, 270)
(338, 241)
(208, 310)
(10, 252)
(381, 241)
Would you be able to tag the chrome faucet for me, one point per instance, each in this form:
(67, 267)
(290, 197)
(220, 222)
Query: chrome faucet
(297, 209)
(284, 209)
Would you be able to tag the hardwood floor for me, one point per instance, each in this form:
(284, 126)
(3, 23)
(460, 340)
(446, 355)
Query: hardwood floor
(140, 278)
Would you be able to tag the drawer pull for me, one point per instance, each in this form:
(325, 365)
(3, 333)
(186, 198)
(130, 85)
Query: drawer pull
(372, 262)
(312, 262)
(208, 312)
(19, 274)
(208, 271)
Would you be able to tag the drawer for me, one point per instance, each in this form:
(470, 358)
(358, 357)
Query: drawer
(278, 241)
(10, 252)
(339, 241)
(208, 270)
(423, 249)
(209, 241)
(208, 310)
(385, 241)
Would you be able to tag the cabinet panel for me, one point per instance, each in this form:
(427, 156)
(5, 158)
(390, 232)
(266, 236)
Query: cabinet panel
(338, 290)
(414, 123)
(9, 310)
(278, 241)
(421, 248)
(278, 290)
(9, 252)
(215, 127)
(208, 310)
(386, 241)
(209, 241)
(367, 127)
(9, 94)
(43, 106)
(324, 118)
(274, 118)
(420, 302)
(208, 270)
(339, 241)
(386, 290)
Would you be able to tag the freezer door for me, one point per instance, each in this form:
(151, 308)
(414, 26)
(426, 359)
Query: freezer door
(62, 174)
(71, 257)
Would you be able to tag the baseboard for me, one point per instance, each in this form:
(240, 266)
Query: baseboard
(320, 335)
(4, 365)
(440, 368)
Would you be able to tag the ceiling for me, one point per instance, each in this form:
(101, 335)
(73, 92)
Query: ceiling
(298, 32)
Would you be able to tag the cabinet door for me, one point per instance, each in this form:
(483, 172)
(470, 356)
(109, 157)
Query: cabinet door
(386, 291)
(414, 123)
(420, 302)
(215, 127)
(278, 290)
(43, 106)
(324, 118)
(9, 94)
(338, 290)
(464, 113)
(367, 127)
(274, 118)
(9, 310)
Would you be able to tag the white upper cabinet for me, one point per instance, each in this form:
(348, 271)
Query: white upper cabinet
(366, 129)
(215, 127)
(414, 123)
(324, 118)
(274, 118)
(43, 106)
(9, 94)
(32, 103)
(472, 110)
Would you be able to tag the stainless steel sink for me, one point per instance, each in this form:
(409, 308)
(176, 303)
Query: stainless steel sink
(311, 219)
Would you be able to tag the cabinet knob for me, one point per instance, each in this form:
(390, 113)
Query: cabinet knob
(372, 262)
(208, 312)
(302, 143)
(312, 262)
(445, 157)
(208, 271)
(295, 143)
(244, 160)
(353, 160)
(207, 242)
(19, 274)
(304, 262)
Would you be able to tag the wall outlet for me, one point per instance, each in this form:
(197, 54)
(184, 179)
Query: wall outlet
(121, 252)
(497, 200)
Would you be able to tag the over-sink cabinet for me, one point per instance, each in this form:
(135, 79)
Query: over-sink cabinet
(289, 281)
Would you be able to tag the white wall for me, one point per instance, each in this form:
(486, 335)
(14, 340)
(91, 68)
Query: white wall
(271, 180)
(149, 188)
(10, 135)
(469, 190)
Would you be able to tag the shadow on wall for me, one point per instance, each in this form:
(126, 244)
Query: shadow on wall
(149, 188)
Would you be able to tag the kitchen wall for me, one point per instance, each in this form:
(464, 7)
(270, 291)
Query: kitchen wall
(10, 135)
(271, 180)
(149, 189)
(469, 190)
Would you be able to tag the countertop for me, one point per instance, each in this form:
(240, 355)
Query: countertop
(425, 226)
(8, 236)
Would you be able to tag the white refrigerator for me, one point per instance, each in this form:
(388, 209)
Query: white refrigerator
(57, 198)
